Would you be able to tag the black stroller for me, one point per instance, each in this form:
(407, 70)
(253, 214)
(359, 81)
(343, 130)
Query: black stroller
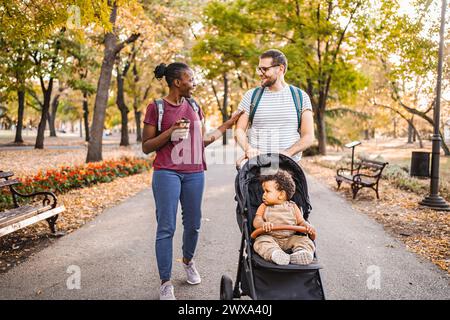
(256, 277)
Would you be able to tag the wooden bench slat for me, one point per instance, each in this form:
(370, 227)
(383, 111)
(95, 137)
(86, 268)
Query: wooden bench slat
(346, 176)
(364, 180)
(6, 183)
(6, 174)
(18, 214)
(28, 222)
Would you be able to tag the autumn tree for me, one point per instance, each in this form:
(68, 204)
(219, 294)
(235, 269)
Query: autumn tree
(225, 55)
(318, 37)
(83, 69)
(112, 47)
(407, 60)
(27, 26)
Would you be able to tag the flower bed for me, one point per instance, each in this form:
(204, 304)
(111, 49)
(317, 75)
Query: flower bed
(67, 178)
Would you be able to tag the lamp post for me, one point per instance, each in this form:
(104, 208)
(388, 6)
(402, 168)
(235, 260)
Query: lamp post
(434, 201)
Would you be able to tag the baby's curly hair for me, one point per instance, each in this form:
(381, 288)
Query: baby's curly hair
(283, 180)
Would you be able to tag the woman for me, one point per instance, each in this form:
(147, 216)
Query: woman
(178, 168)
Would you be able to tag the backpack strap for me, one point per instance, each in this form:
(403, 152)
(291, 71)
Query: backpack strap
(254, 102)
(193, 104)
(297, 96)
(159, 103)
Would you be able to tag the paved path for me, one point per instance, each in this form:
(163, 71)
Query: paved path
(115, 253)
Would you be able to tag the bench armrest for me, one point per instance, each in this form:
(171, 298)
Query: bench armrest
(49, 197)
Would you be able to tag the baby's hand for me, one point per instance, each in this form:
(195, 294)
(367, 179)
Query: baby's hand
(267, 226)
(310, 230)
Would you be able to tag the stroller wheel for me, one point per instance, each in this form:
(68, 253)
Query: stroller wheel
(226, 288)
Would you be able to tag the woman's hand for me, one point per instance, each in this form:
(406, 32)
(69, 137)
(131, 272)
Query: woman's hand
(179, 124)
(179, 130)
(267, 226)
(234, 118)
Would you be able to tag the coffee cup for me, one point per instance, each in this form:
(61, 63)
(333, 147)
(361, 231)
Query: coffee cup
(183, 132)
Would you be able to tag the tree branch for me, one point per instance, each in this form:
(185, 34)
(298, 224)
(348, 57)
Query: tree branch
(410, 122)
(122, 44)
(341, 39)
(216, 95)
(36, 98)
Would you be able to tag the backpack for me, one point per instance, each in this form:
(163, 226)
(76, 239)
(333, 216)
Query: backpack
(296, 96)
(159, 103)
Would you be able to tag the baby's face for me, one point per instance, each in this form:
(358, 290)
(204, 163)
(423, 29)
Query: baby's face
(271, 194)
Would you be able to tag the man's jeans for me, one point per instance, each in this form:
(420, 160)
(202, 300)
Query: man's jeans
(169, 187)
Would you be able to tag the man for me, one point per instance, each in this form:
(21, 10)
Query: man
(280, 123)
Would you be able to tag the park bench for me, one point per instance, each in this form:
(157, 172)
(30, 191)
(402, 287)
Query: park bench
(366, 175)
(43, 205)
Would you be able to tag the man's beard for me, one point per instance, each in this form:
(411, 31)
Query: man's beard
(269, 83)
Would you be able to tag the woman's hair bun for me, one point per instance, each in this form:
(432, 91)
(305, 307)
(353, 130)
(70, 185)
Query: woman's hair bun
(160, 71)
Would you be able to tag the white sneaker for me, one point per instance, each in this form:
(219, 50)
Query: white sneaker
(193, 277)
(280, 257)
(166, 291)
(301, 257)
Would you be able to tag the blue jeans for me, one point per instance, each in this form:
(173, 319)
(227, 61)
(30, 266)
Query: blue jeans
(169, 187)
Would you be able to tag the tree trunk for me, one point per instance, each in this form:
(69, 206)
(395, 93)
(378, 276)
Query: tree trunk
(45, 109)
(225, 114)
(86, 115)
(124, 137)
(120, 101)
(319, 111)
(21, 101)
(51, 125)
(52, 115)
(101, 99)
(321, 132)
(104, 81)
(136, 103)
(366, 134)
(137, 117)
(395, 128)
(49, 122)
(410, 133)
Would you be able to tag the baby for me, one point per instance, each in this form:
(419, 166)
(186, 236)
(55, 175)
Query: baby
(276, 209)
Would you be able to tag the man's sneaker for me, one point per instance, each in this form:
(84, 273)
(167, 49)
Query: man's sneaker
(302, 257)
(193, 277)
(280, 257)
(166, 291)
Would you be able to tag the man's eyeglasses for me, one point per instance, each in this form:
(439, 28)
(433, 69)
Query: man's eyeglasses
(263, 70)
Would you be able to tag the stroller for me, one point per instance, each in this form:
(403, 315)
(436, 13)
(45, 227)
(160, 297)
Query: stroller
(256, 277)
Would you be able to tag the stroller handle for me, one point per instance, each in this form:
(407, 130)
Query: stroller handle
(260, 231)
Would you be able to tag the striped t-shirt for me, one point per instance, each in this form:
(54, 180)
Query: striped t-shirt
(275, 125)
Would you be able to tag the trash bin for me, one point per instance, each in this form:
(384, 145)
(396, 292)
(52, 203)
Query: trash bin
(420, 164)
